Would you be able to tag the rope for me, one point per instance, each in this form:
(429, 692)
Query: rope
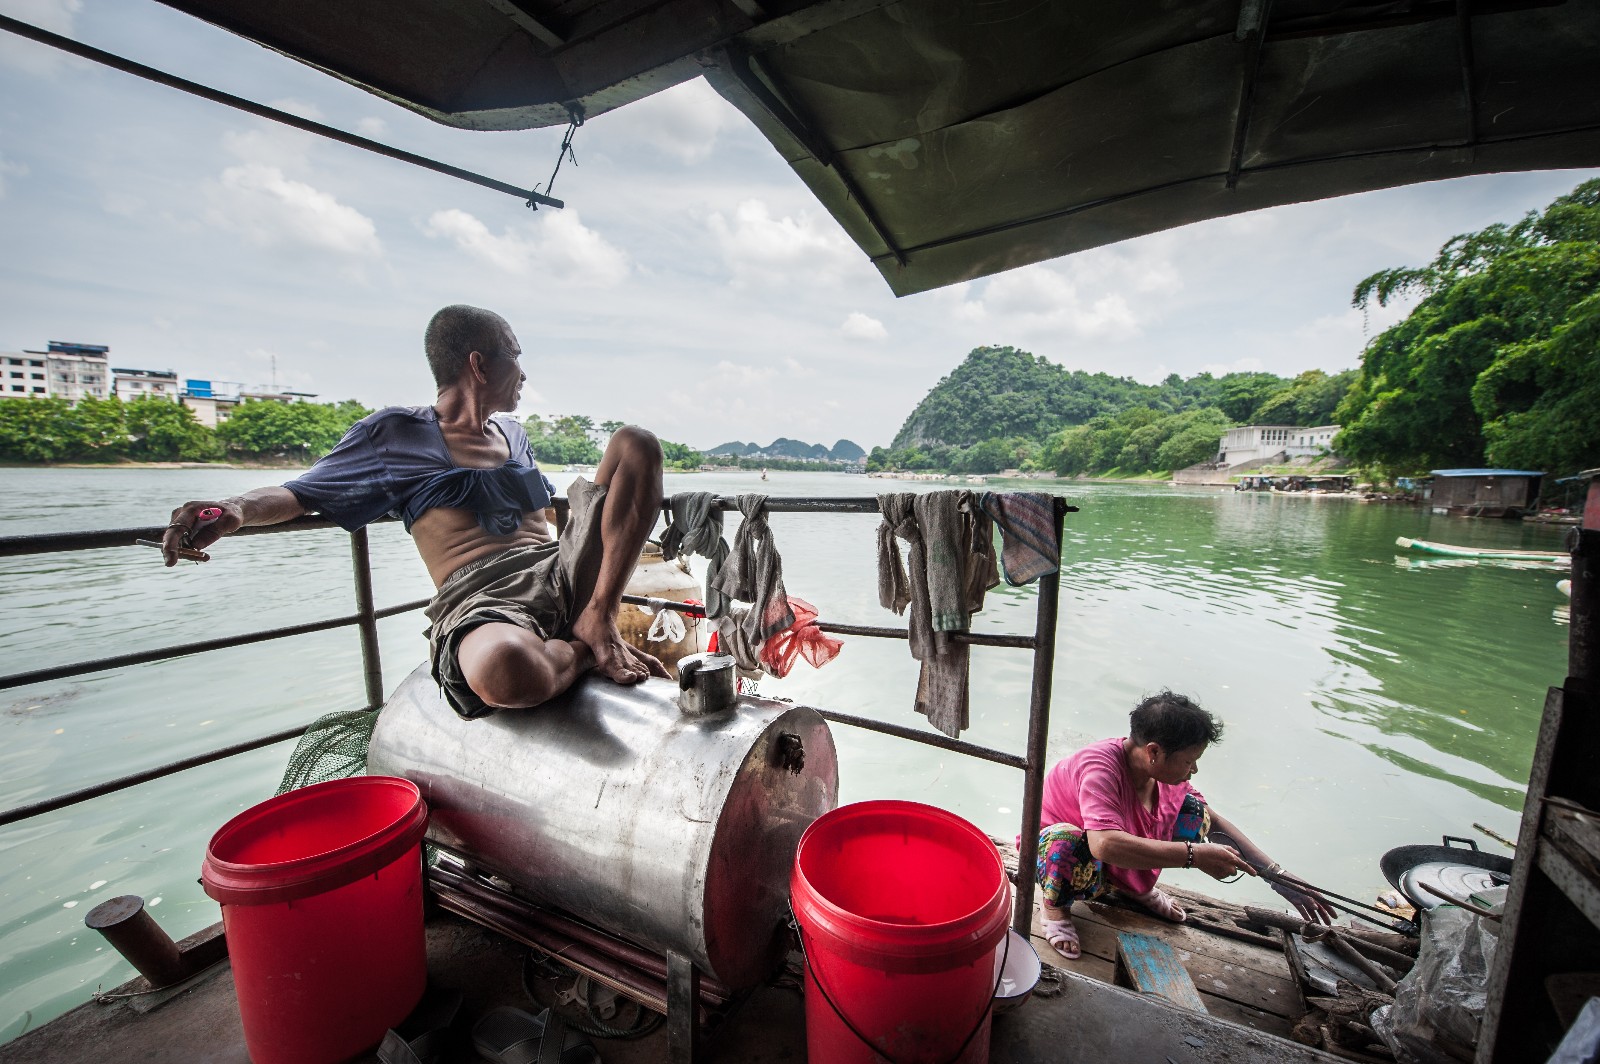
(575, 119)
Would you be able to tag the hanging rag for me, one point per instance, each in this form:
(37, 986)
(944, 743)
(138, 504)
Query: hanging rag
(801, 640)
(694, 526)
(1028, 529)
(949, 564)
(753, 573)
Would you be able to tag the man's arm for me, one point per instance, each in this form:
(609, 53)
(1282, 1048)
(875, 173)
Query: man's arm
(261, 506)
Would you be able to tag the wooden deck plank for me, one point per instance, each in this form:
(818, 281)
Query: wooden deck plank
(1214, 975)
(1194, 940)
(1150, 966)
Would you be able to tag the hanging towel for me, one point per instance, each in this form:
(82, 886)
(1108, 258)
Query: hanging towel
(753, 573)
(1028, 528)
(694, 526)
(932, 525)
(958, 538)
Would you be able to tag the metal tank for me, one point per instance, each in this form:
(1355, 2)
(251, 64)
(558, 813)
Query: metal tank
(666, 813)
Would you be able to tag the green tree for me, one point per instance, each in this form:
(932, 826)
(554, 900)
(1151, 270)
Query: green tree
(31, 430)
(160, 430)
(299, 432)
(1491, 353)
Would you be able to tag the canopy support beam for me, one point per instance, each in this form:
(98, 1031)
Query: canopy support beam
(742, 65)
(1252, 32)
(172, 81)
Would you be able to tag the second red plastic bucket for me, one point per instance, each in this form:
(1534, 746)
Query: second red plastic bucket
(321, 893)
(901, 908)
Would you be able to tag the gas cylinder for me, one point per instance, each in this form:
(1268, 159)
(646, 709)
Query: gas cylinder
(667, 813)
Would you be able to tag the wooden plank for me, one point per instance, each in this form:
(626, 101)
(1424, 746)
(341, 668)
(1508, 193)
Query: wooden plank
(1267, 962)
(1248, 986)
(1152, 967)
(1244, 1015)
(1221, 976)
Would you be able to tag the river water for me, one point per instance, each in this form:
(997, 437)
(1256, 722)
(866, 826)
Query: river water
(1371, 699)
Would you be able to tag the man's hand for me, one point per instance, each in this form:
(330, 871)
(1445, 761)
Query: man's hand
(1313, 907)
(1218, 861)
(190, 529)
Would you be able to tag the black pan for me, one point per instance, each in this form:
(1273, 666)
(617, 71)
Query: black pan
(1402, 859)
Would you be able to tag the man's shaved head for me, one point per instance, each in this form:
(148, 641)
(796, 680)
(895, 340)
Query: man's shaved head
(457, 331)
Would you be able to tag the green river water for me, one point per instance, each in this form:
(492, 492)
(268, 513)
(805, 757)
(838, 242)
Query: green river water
(1371, 699)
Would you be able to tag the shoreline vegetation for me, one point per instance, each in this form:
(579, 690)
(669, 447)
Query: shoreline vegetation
(1497, 365)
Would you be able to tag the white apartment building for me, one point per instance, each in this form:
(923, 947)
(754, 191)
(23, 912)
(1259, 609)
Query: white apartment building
(1250, 443)
(131, 384)
(22, 375)
(76, 371)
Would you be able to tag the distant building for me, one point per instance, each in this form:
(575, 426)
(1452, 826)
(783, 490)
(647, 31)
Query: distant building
(131, 384)
(213, 402)
(22, 376)
(1256, 443)
(1485, 492)
(76, 371)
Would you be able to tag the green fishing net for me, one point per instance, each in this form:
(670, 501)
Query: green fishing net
(334, 747)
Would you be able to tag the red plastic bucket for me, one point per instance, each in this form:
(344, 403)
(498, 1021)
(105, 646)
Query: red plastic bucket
(902, 908)
(321, 893)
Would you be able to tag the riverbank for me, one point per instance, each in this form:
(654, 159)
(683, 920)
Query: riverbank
(238, 464)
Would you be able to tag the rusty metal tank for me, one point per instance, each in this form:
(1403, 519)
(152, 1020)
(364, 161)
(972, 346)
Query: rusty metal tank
(667, 813)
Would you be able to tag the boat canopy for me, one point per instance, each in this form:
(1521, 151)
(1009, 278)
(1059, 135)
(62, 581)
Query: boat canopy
(954, 139)
(1484, 473)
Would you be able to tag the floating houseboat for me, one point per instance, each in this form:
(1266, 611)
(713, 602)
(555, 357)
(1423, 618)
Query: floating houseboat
(1485, 492)
(952, 142)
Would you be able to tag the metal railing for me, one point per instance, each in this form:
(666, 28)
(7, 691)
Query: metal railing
(1031, 762)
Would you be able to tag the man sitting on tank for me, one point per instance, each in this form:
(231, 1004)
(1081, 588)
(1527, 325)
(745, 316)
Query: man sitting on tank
(517, 617)
(1120, 810)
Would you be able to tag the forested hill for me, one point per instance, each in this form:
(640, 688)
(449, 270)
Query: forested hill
(1004, 393)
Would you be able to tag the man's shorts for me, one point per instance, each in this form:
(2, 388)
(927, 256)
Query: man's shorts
(531, 587)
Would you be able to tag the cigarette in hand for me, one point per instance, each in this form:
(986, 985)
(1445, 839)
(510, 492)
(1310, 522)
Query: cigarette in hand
(182, 552)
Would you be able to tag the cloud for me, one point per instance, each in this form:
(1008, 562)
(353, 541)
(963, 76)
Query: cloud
(1040, 299)
(859, 326)
(563, 247)
(738, 373)
(30, 57)
(9, 169)
(682, 122)
(803, 247)
(1238, 365)
(372, 127)
(261, 204)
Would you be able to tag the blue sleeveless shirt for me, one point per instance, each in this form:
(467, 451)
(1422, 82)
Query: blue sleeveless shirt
(395, 462)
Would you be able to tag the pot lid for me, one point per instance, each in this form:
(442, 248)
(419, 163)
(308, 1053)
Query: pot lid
(1455, 879)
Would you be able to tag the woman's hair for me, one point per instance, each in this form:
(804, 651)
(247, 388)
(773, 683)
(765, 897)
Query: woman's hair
(1173, 722)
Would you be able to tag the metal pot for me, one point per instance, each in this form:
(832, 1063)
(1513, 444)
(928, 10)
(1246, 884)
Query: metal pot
(1458, 870)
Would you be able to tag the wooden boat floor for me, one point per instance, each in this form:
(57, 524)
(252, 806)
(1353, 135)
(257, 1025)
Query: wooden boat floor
(1245, 987)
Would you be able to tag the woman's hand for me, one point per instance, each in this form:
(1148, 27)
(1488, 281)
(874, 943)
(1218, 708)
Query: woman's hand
(1313, 907)
(1218, 861)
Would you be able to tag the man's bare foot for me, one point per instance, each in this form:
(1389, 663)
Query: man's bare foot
(613, 658)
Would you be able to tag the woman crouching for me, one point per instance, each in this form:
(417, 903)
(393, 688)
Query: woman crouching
(1119, 811)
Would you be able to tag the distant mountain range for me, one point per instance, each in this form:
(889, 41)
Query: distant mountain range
(783, 447)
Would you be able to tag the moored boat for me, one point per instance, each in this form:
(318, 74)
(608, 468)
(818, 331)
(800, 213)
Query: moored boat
(1450, 550)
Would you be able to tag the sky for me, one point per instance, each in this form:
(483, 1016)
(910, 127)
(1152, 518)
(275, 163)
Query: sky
(692, 284)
